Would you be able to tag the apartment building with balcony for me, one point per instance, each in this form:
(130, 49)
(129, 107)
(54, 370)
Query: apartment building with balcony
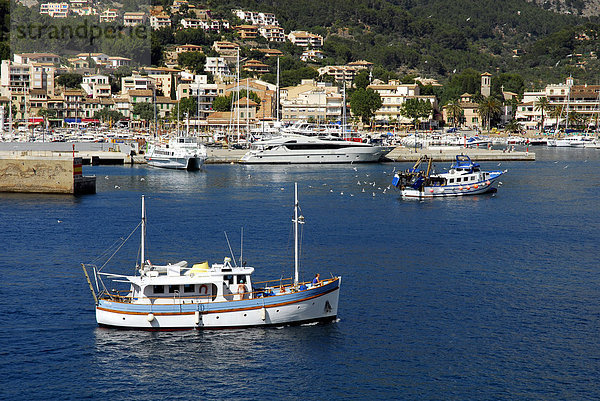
(134, 18)
(55, 10)
(305, 39)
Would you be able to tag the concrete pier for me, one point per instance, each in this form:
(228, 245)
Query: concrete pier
(448, 153)
(23, 172)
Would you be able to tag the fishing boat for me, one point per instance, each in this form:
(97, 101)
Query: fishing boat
(299, 149)
(179, 296)
(463, 178)
(180, 153)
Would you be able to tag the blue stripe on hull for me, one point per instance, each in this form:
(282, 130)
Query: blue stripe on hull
(217, 307)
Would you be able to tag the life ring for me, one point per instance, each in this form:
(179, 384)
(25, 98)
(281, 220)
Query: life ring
(205, 289)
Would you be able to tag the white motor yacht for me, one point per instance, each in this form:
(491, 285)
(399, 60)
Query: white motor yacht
(299, 149)
(181, 153)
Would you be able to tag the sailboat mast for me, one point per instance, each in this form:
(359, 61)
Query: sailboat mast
(295, 233)
(277, 94)
(143, 243)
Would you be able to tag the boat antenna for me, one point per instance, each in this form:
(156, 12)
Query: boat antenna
(230, 250)
(143, 244)
(297, 220)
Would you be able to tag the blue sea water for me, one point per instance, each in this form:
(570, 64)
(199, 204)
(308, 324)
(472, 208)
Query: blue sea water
(486, 297)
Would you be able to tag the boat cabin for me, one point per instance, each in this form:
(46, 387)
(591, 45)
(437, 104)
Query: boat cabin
(177, 283)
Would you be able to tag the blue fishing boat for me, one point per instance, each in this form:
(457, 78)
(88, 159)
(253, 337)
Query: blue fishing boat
(463, 178)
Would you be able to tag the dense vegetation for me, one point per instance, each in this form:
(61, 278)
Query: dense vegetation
(451, 40)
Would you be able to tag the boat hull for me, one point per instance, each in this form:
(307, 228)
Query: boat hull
(284, 156)
(476, 188)
(177, 163)
(316, 304)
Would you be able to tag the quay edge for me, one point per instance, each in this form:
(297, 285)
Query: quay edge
(448, 154)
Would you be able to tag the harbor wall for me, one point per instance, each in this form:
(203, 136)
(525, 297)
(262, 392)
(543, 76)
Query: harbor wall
(20, 172)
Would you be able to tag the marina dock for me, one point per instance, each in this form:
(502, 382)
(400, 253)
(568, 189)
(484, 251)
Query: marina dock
(448, 153)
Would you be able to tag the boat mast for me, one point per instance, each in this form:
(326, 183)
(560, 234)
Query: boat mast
(297, 220)
(143, 251)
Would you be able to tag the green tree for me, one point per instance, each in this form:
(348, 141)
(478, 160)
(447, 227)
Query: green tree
(361, 80)
(416, 109)
(542, 104)
(194, 61)
(69, 80)
(455, 112)
(46, 114)
(109, 115)
(489, 108)
(144, 111)
(364, 103)
(513, 126)
(187, 107)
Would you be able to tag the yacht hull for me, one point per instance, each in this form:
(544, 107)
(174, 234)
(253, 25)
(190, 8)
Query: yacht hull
(177, 163)
(285, 156)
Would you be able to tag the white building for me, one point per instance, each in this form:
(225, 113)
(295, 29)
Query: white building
(55, 10)
(217, 66)
(160, 21)
(133, 19)
(311, 100)
(393, 95)
(255, 18)
(305, 39)
(272, 33)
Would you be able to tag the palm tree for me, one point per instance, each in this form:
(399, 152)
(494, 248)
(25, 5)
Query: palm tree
(556, 112)
(489, 108)
(455, 111)
(542, 104)
(513, 126)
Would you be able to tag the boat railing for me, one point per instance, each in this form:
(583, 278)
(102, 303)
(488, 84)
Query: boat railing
(267, 291)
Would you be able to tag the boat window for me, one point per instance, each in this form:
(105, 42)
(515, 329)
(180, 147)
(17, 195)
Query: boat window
(173, 289)
(228, 278)
(241, 279)
(158, 289)
(189, 288)
(451, 180)
(458, 179)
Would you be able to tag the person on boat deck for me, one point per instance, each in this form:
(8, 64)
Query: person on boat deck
(316, 279)
(281, 290)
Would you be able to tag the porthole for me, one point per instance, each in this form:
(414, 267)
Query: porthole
(277, 310)
(245, 315)
(217, 317)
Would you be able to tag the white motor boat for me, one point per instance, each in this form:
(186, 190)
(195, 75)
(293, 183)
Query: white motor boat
(224, 295)
(181, 153)
(463, 178)
(299, 149)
